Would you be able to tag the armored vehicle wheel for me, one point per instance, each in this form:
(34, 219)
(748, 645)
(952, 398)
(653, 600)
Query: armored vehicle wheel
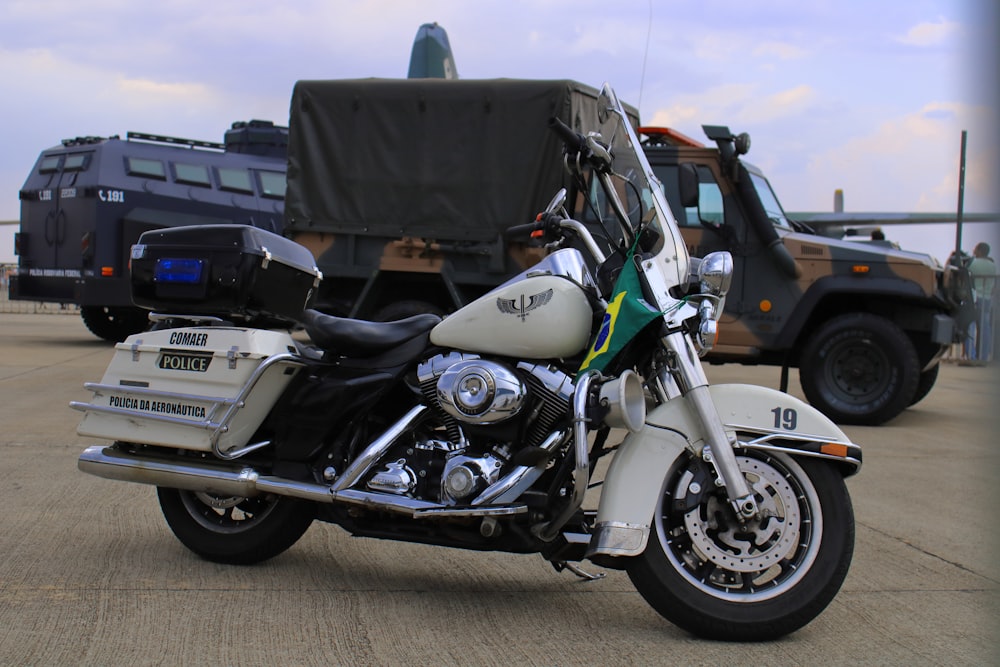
(925, 384)
(859, 368)
(234, 530)
(114, 324)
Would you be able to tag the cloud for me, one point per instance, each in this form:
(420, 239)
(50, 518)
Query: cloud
(780, 50)
(735, 104)
(909, 163)
(149, 94)
(781, 104)
(930, 34)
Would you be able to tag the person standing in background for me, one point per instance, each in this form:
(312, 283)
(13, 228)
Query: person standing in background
(983, 271)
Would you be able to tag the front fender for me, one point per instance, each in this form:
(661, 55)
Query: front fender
(765, 419)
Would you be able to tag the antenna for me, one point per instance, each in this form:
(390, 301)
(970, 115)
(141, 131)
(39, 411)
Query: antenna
(645, 55)
(961, 197)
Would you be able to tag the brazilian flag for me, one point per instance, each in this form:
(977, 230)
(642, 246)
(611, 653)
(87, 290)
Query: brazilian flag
(627, 314)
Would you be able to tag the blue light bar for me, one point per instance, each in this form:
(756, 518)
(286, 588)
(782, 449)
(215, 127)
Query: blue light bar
(185, 271)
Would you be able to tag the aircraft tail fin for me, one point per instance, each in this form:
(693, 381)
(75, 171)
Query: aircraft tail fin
(431, 57)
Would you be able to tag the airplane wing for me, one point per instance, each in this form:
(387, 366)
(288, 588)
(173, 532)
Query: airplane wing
(820, 220)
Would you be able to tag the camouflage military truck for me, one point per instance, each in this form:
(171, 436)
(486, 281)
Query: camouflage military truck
(402, 188)
(87, 200)
(865, 324)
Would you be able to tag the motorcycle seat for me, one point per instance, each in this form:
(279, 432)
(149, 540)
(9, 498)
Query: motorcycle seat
(362, 338)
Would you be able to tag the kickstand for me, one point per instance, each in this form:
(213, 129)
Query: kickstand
(585, 576)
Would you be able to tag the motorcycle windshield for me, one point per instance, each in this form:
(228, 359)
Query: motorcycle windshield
(644, 202)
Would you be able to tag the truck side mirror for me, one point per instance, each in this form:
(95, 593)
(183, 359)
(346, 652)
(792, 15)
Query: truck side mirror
(687, 183)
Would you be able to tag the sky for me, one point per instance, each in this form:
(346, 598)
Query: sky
(870, 97)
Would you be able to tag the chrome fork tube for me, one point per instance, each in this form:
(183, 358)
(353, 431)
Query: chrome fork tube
(719, 454)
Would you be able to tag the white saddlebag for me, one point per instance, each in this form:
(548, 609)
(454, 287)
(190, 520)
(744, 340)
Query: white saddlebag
(199, 388)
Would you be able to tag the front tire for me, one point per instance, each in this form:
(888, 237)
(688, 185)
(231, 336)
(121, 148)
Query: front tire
(859, 368)
(719, 579)
(234, 530)
(925, 383)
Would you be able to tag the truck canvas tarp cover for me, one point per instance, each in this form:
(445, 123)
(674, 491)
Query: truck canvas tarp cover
(427, 158)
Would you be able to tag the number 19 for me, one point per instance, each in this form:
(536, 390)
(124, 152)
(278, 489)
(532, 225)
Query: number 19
(786, 419)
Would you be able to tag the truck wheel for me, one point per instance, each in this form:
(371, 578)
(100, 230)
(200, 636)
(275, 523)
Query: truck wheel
(925, 383)
(114, 324)
(403, 309)
(859, 368)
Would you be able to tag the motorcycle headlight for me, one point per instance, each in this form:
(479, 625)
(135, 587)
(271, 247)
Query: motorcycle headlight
(715, 273)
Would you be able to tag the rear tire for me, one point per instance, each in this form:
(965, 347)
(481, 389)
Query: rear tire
(719, 579)
(859, 368)
(234, 530)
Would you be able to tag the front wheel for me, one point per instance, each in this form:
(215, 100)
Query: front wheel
(234, 530)
(719, 578)
(925, 383)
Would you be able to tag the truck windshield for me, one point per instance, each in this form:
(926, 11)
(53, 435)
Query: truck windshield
(769, 201)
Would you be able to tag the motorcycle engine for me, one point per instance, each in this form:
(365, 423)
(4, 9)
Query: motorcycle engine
(479, 392)
(489, 409)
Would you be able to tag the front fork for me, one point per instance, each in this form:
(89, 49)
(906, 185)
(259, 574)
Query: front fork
(718, 453)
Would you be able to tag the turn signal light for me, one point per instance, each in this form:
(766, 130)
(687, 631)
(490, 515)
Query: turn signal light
(860, 269)
(832, 449)
(107, 271)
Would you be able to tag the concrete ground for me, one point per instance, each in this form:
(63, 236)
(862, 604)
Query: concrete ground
(90, 574)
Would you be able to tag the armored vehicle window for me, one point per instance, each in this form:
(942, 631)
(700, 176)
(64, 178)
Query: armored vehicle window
(195, 174)
(709, 207)
(49, 164)
(235, 179)
(76, 162)
(272, 184)
(769, 200)
(138, 166)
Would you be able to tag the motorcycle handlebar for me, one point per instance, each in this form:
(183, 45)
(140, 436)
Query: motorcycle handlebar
(548, 223)
(573, 140)
(583, 149)
(520, 231)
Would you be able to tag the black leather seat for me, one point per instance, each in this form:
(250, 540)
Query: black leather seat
(362, 338)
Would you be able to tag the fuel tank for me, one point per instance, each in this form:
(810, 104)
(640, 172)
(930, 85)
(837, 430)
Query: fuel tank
(537, 317)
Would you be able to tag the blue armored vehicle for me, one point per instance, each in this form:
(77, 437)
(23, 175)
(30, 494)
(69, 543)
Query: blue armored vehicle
(87, 200)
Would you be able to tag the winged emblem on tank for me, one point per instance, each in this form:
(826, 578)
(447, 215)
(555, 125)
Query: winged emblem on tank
(520, 307)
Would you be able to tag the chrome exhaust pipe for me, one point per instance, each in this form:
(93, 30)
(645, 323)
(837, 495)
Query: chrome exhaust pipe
(228, 480)
(223, 480)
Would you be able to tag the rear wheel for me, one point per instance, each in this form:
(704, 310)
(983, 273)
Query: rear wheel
(720, 578)
(233, 529)
(859, 368)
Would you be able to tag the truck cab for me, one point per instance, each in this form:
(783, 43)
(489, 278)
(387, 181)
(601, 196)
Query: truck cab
(865, 324)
